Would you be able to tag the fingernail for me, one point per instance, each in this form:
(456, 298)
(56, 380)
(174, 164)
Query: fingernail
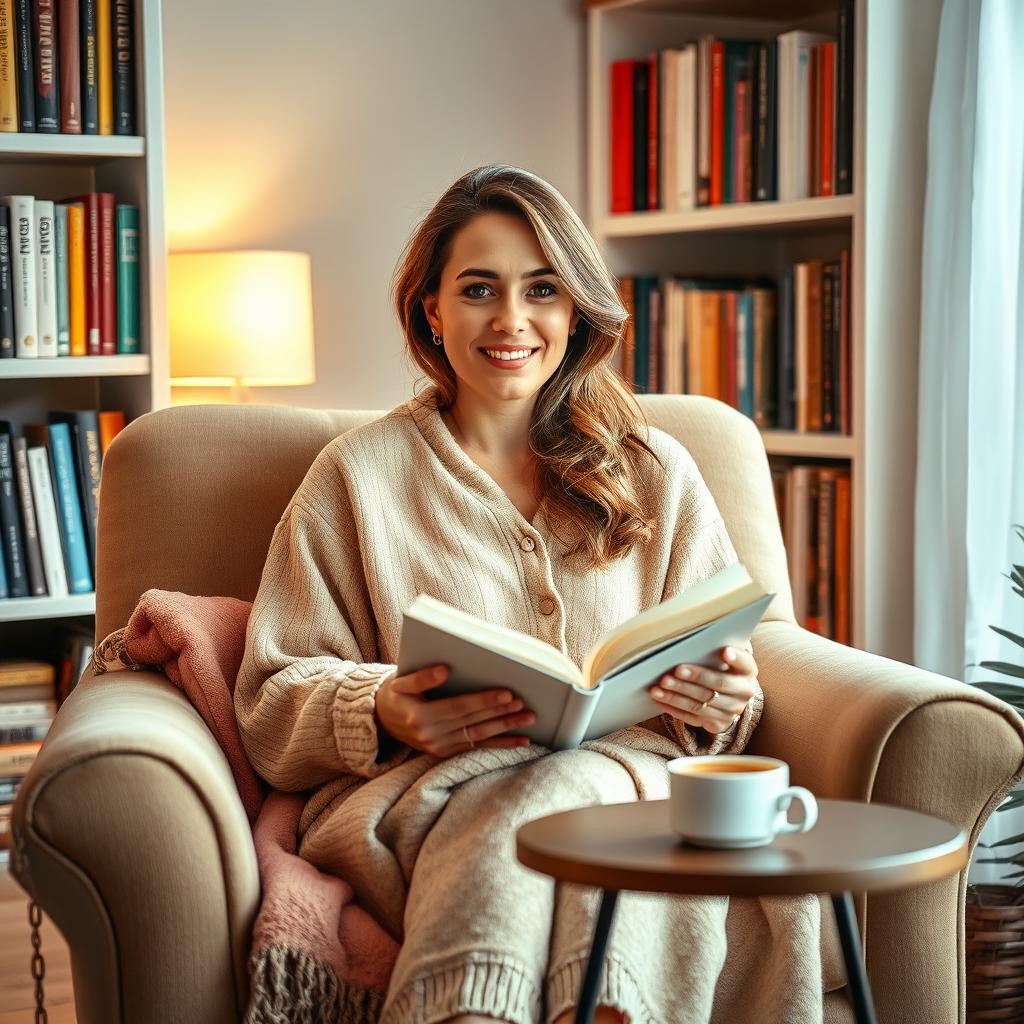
(440, 672)
(685, 673)
(504, 698)
(730, 654)
(658, 692)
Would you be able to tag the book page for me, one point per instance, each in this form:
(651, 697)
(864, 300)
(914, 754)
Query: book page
(727, 590)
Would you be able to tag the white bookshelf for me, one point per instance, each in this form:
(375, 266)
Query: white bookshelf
(879, 223)
(54, 167)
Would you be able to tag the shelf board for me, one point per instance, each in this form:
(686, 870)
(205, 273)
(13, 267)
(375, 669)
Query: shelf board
(74, 366)
(821, 446)
(26, 147)
(15, 609)
(781, 10)
(821, 211)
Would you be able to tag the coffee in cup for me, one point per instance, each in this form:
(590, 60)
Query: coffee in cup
(735, 801)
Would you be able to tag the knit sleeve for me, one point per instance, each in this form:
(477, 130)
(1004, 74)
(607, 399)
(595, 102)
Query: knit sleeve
(701, 547)
(306, 688)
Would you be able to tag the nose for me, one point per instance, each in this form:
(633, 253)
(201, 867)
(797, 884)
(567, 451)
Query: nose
(511, 315)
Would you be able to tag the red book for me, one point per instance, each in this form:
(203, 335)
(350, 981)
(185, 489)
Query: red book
(108, 276)
(813, 119)
(70, 73)
(728, 350)
(622, 136)
(717, 120)
(845, 410)
(827, 114)
(652, 133)
(91, 202)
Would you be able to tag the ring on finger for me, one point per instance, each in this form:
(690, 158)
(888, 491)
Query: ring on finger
(710, 701)
(465, 732)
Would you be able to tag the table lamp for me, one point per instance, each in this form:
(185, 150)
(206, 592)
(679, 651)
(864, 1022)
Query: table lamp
(240, 319)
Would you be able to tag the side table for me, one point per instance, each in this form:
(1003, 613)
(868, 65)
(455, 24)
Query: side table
(855, 847)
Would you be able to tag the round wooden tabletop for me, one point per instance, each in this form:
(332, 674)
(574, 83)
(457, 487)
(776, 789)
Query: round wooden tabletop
(855, 847)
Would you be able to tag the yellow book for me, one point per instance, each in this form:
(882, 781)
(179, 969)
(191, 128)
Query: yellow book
(8, 69)
(105, 66)
(76, 278)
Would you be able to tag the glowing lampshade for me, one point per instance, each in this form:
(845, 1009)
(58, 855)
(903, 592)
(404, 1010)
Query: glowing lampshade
(240, 319)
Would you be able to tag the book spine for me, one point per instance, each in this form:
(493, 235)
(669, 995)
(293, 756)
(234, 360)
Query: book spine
(61, 253)
(26, 733)
(827, 116)
(703, 111)
(654, 132)
(33, 550)
(845, 360)
(841, 606)
(108, 276)
(827, 395)
(124, 69)
(46, 81)
(70, 510)
(46, 515)
(814, 345)
(717, 122)
(17, 759)
(105, 66)
(686, 102)
(46, 284)
(622, 136)
(810, 580)
(13, 539)
(787, 354)
(730, 69)
(26, 66)
(8, 69)
(23, 276)
(844, 100)
(23, 712)
(76, 279)
(641, 72)
(69, 39)
(85, 441)
(90, 69)
(92, 273)
(801, 332)
(6, 287)
(767, 116)
(128, 314)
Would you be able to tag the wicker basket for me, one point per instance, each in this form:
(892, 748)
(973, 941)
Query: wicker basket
(995, 953)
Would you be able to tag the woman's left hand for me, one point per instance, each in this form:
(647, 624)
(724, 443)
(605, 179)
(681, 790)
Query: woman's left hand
(712, 698)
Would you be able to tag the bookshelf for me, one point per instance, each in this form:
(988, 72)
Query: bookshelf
(879, 223)
(132, 167)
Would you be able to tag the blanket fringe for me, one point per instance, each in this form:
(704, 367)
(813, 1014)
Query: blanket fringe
(288, 986)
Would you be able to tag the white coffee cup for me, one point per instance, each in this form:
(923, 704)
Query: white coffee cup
(735, 801)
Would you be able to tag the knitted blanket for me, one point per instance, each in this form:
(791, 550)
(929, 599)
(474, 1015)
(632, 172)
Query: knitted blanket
(325, 943)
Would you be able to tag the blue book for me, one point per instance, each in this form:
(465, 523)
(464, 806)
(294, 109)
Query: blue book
(745, 352)
(69, 510)
(63, 307)
(642, 285)
(4, 589)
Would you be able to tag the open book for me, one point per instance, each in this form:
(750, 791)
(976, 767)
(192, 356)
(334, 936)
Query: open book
(611, 691)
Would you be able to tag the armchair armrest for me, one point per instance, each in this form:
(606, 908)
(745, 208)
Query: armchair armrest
(857, 726)
(130, 834)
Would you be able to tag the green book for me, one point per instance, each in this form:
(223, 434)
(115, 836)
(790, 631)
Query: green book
(63, 320)
(126, 225)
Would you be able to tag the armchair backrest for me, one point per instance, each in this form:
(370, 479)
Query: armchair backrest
(190, 495)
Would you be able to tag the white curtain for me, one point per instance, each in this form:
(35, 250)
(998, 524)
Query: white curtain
(970, 465)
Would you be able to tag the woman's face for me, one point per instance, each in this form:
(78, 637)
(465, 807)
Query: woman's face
(505, 327)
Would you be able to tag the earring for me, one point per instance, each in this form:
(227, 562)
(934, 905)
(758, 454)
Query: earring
(437, 338)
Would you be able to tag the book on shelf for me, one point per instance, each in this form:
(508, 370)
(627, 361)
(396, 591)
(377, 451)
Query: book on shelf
(67, 67)
(720, 121)
(611, 689)
(49, 501)
(777, 352)
(69, 277)
(27, 708)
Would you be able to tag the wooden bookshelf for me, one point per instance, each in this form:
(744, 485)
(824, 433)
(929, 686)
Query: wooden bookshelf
(879, 223)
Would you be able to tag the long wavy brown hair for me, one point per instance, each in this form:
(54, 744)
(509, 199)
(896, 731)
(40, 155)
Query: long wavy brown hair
(586, 426)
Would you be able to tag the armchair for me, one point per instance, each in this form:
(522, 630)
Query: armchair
(131, 834)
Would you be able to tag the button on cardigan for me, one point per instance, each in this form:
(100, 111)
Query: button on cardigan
(395, 508)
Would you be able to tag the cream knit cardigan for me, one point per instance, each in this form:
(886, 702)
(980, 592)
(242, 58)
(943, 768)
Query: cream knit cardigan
(396, 508)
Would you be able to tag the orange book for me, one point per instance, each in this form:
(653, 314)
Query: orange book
(842, 632)
(728, 353)
(8, 69)
(827, 477)
(111, 424)
(76, 278)
(814, 345)
(710, 346)
(105, 67)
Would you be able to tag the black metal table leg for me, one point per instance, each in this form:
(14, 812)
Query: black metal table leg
(587, 1002)
(856, 975)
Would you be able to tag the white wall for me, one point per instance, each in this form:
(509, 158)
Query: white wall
(332, 127)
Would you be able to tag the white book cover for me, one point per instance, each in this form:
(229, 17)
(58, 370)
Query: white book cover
(686, 105)
(46, 279)
(23, 274)
(794, 62)
(669, 128)
(46, 516)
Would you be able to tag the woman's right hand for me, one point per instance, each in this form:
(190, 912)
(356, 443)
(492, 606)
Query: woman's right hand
(450, 725)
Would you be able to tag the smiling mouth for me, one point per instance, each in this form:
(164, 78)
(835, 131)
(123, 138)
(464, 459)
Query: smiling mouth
(508, 358)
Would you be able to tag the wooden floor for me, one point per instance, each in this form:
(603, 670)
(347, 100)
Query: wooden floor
(17, 989)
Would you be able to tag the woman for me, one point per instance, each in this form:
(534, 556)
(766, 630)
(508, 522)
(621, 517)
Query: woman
(525, 487)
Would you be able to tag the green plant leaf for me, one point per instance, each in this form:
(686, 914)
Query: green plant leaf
(1012, 695)
(1015, 874)
(1005, 842)
(1005, 668)
(1002, 860)
(1018, 640)
(1016, 798)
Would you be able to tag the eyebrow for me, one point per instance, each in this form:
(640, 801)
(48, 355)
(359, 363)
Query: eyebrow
(480, 272)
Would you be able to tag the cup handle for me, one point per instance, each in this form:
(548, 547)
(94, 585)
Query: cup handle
(810, 806)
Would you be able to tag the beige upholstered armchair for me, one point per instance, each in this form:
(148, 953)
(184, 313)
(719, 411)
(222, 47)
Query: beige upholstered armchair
(133, 838)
